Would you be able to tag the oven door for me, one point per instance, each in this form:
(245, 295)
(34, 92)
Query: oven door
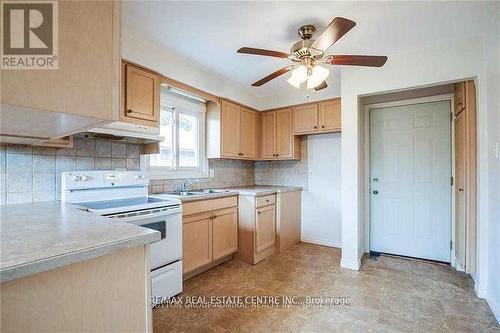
(166, 220)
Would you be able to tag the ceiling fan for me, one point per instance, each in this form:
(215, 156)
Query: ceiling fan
(308, 53)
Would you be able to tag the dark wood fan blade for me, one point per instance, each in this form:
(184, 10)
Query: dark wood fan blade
(272, 76)
(323, 85)
(333, 32)
(262, 52)
(355, 60)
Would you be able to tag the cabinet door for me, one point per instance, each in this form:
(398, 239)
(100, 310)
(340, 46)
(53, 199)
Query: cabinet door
(196, 241)
(268, 144)
(305, 119)
(284, 133)
(329, 116)
(230, 129)
(225, 233)
(459, 97)
(265, 228)
(248, 132)
(142, 95)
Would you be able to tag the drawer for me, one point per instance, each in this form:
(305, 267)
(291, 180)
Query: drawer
(194, 207)
(265, 200)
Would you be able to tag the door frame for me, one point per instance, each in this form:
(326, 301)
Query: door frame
(366, 161)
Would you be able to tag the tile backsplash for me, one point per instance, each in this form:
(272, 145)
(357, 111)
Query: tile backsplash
(226, 173)
(34, 173)
(284, 173)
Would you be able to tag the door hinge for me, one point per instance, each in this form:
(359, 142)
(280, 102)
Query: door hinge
(451, 181)
(451, 245)
(451, 116)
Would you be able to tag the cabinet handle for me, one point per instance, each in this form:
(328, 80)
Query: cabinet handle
(214, 217)
(267, 200)
(129, 111)
(277, 155)
(315, 127)
(460, 189)
(322, 126)
(258, 212)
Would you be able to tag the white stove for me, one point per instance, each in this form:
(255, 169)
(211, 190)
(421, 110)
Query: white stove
(123, 195)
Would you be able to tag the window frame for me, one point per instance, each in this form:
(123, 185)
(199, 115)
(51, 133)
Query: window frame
(176, 172)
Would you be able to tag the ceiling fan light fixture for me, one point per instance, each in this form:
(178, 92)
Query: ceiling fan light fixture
(294, 81)
(318, 75)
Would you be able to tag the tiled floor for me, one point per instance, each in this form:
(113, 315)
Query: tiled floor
(388, 295)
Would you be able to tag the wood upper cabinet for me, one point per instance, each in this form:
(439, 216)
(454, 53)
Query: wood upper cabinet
(239, 131)
(329, 115)
(460, 97)
(265, 227)
(305, 118)
(284, 133)
(196, 241)
(318, 117)
(268, 143)
(248, 133)
(141, 95)
(85, 88)
(225, 232)
(230, 129)
(278, 141)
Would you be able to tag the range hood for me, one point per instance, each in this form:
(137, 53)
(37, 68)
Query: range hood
(122, 131)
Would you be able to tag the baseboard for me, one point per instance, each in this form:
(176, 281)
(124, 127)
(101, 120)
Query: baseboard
(495, 307)
(480, 292)
(350, 264)
(321, 241)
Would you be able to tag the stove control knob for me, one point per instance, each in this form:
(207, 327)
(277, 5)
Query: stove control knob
(141, 177)
(75, 178)
(84, 178)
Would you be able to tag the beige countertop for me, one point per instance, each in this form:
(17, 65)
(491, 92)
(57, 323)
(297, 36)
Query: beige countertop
(37, 237)
(255, 190)
(259, 190)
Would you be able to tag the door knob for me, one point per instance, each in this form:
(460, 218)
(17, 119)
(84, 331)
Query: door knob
(375, 180)
(375, 192)
(460, 189)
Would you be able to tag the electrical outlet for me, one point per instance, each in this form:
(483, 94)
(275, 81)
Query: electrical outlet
(310, 173)
(211, 173)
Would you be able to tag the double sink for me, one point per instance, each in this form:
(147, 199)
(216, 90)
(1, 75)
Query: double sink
(190, 193)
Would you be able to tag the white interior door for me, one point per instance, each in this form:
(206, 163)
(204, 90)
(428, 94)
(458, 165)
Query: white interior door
(410, 199)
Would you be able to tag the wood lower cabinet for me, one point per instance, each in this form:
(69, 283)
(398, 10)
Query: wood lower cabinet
(224, 233)
(209, 233)
(265, 227)
(278, 141)
(196, 241)
(141, 94)
(257, 228)
(320, 117)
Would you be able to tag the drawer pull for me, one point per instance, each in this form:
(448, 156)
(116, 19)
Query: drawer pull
(129, 111)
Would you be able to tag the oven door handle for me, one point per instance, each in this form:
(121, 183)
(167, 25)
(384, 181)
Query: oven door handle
(134, 218)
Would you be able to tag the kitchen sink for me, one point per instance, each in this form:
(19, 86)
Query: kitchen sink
(195, 192)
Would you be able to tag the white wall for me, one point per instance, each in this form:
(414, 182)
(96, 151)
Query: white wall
(173, 66)
(492, 68)
(321, 202)
(425, 65)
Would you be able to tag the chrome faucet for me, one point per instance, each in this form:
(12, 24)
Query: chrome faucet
(187, 184)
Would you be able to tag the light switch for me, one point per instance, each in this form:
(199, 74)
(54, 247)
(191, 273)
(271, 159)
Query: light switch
(310, 173)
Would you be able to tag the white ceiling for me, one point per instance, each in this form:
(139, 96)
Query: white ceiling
(209, 33)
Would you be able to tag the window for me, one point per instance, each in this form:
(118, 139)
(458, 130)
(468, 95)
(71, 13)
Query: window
(182, 152)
